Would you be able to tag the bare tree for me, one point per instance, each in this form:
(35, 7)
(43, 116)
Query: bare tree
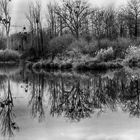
(110, 24)
(52, 19)
(34, 18)
(73, 13)
(132, 15)
(122, 23)
(97, 22)
(5, 18)
(30, 19)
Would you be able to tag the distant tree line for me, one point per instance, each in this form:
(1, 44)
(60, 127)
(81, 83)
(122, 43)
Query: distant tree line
(78, 18)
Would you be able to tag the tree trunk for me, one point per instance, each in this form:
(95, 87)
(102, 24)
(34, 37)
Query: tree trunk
(136, 27)
(8, 42)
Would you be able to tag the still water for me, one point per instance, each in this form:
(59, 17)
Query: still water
(69, 106)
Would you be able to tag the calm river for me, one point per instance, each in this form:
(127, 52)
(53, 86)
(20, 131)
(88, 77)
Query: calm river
(69, 106)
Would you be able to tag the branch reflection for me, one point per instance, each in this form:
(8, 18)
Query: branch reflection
(36, 101)
(76, 97)
(7, 115)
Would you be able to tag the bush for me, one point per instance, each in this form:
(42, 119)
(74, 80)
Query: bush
(132, 52)
(83, 47)
(120, 46)
(136, 42)
(105, 55)
(74, 50)
(9, 55)
(59, 45)
(132, 57)
(29, 54)
(104, 43)
(90, 49)
(78, 45)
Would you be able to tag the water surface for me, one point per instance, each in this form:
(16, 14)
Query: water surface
(69, 106)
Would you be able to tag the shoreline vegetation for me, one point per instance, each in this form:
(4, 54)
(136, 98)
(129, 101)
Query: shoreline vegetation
(102, 61)
(89, 39)
(83, 66)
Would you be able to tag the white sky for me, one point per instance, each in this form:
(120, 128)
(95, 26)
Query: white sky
(20, 7)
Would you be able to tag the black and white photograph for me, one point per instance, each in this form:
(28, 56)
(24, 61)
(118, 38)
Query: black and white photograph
(69, 69)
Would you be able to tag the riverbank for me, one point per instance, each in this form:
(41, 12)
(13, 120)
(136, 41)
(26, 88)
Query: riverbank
(76, 66)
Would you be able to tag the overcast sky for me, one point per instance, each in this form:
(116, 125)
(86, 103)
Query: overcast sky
(20, 7)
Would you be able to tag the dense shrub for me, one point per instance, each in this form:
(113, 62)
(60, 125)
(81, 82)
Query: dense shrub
(78, 45)
(104, 43)
(120, 46)
(29, 54)
(136, 42)
(9, 55)
(132, 57)
(105, 54)
(59, 45)
(84, 47)
(90, 49)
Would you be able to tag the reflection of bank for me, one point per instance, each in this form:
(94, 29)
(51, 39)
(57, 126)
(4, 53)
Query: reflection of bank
(7, 115)
(9, 69)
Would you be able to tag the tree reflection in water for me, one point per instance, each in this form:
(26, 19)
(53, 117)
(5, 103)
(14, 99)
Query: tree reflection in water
(77, 97)
(131, 99)
(36, 101)
(7, 116)
(72, 96)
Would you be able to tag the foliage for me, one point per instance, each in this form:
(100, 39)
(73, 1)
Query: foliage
(79, 45)
(120, 46)
(104, 43)
(29, 54)
(90, 48)
(133, 56)
(133, 51)
(105, 54)
(83, 47)
(59, 45)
